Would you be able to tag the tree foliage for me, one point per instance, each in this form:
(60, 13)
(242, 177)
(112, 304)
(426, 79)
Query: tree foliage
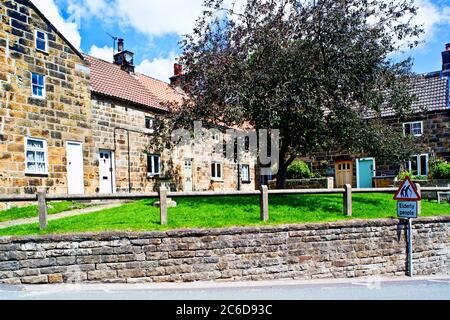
(315, 70)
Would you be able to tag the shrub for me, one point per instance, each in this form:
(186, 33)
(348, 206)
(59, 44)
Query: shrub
(299, 170)
(402, 176)
(439, 169)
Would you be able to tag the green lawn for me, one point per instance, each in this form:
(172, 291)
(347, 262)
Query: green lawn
(226, 212)
(32, 211)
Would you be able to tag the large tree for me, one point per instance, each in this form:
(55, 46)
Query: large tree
(319, 71)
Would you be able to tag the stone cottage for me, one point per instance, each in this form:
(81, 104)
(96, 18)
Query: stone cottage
(429, 126)
(75, 124)
(46, 137)
(125, 106)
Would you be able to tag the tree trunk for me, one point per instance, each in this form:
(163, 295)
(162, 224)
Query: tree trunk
(282, 176)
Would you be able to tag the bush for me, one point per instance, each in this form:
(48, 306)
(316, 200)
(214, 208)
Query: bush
(402, 176)
(439, 169)
(299, 170)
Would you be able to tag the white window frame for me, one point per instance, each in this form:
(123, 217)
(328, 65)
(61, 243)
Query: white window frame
(153, 173)
(248, 180)
(152, 124)
(44, 91)
(217, 177)
(419, 164)
(45, 39)
(44, 149)
(411, 124)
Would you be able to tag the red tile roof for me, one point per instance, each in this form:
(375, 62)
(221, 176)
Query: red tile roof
(110, 80)
(163, 91)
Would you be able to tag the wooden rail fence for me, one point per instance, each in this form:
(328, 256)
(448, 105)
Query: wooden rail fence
(163, 195)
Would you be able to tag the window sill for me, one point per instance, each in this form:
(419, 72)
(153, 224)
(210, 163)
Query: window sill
(246, 182)
(217, 180)
(153, 176)
(39, 98)
(30, 174)
(42, 51)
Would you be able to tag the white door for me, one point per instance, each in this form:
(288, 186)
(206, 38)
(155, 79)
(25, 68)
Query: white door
(188, 181)
(106, 170)
(75, 172)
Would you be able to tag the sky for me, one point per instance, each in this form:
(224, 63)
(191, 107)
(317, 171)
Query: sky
(152, 29)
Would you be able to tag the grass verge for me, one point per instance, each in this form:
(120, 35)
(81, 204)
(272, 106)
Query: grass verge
(32, 211)
(220, 212)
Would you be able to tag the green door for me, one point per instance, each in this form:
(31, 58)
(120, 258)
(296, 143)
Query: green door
(366, 172)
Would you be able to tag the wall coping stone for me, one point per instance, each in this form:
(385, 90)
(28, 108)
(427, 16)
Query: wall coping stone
(180, 233)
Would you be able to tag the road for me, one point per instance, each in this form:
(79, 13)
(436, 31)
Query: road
(429, 288)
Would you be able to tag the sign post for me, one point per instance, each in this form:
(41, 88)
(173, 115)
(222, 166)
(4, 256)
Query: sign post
(408, 208)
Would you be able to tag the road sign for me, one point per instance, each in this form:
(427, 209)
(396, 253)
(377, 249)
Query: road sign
(407, 209)
(407, 192)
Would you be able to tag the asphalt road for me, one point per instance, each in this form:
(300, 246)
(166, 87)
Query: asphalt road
(436, 288)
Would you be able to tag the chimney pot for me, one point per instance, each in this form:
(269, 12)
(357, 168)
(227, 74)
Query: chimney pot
(447, 47)
(177, 69)
(120, 45)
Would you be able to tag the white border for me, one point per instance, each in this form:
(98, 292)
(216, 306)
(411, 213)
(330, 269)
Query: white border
(221, 179)
(419, 167)
(415, 135)
(44, 90)
(36, 38)
(45, 146)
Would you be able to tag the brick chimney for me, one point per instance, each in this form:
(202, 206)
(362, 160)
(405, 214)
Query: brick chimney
(124, 58)
(178, 75)
(446, 60)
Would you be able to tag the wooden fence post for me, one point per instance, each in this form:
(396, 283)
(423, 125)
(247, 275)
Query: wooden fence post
(330, 183)
(264, 206)
(42, 205)
(419, 203)
(163, 205)
(348, 205)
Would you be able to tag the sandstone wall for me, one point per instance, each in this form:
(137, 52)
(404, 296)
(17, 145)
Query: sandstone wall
(313, 251)
(434, 142)
(64, 115)
(111, 116)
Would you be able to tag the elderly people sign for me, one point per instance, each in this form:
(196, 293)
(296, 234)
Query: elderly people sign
(407, 197)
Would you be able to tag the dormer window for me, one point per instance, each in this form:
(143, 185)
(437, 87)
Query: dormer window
(41, 41)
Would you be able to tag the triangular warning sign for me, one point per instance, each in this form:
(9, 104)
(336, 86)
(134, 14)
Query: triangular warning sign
(407, 192)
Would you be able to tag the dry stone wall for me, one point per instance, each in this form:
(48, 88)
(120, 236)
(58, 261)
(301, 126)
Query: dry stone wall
(313, 251)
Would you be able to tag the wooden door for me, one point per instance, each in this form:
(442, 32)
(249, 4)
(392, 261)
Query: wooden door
(344, 173)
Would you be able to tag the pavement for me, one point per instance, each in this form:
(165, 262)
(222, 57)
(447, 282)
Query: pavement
(73, 213)
(374, 288)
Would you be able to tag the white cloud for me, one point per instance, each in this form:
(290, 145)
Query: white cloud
(429, 16)
(159, 68)
(153, 18)
(70, 29)
(105, 53)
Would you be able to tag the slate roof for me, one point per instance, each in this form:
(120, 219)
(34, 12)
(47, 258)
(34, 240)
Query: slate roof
(431, 91)
(110, 80)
